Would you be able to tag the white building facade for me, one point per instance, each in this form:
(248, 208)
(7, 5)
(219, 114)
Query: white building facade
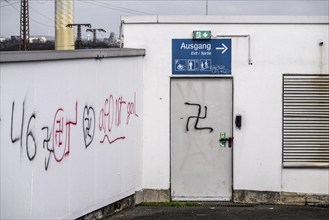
(280, 151)
(239, 113)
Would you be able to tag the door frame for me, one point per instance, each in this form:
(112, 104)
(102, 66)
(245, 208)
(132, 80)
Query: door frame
(173, 77)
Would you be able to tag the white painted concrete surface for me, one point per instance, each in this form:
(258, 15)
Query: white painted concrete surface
(278, 45)
(71, 141)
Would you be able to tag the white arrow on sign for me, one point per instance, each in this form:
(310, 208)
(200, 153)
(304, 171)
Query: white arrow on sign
(224, 48)
(205, 34)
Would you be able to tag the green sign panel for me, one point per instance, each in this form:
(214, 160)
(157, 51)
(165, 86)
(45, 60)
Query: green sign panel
(202, 35)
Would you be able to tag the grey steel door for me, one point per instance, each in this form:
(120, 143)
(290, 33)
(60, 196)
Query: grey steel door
(201, 131)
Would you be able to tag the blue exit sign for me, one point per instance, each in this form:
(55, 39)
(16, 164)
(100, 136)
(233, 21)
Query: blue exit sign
(201, 56)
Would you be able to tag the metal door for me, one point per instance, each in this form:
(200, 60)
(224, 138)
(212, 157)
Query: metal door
(201, 143)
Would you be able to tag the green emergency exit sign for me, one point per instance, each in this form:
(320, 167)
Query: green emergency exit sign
(202, 35)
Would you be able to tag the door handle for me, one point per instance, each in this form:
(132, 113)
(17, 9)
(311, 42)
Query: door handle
(230, 141)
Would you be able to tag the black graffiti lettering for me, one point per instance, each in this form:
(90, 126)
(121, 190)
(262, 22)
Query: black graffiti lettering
(89, 124)
(19, 138)
(29, 133)
(22, 124)
(197, 118)
(30, 151)
(13, 140)
(46, 145)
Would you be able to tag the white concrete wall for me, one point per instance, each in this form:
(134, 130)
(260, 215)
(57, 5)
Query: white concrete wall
(278, 45)
(70, 136)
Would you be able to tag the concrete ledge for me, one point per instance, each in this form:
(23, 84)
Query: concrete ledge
(288, 198)
(139, 197)
(110, 209)
(146, 195)
(239, 196)
(217, 19)
(154, 195)
(48, 55)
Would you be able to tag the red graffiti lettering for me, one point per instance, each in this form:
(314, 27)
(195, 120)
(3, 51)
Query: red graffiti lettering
(118, 110)
(111, 114)
(111, 141)
(62, 133)
(131, 108)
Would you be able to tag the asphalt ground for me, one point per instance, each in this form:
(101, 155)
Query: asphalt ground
(228, 211)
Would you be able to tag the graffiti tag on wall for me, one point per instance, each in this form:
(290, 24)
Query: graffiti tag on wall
(197, 118)
(57, 136)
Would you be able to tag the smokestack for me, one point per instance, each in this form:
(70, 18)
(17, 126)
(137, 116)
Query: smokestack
(64, 14)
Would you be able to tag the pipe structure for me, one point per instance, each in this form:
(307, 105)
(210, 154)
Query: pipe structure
(64, 15)
(241, 35)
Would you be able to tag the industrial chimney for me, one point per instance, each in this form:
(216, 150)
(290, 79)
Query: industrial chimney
(64, 14)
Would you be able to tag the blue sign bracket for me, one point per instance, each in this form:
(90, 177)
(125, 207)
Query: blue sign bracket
(201, 56)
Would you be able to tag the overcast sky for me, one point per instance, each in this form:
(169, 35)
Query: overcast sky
(106, 13)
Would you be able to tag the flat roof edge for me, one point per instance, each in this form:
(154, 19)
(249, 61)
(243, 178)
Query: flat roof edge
(49, 55)
(213, 19)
